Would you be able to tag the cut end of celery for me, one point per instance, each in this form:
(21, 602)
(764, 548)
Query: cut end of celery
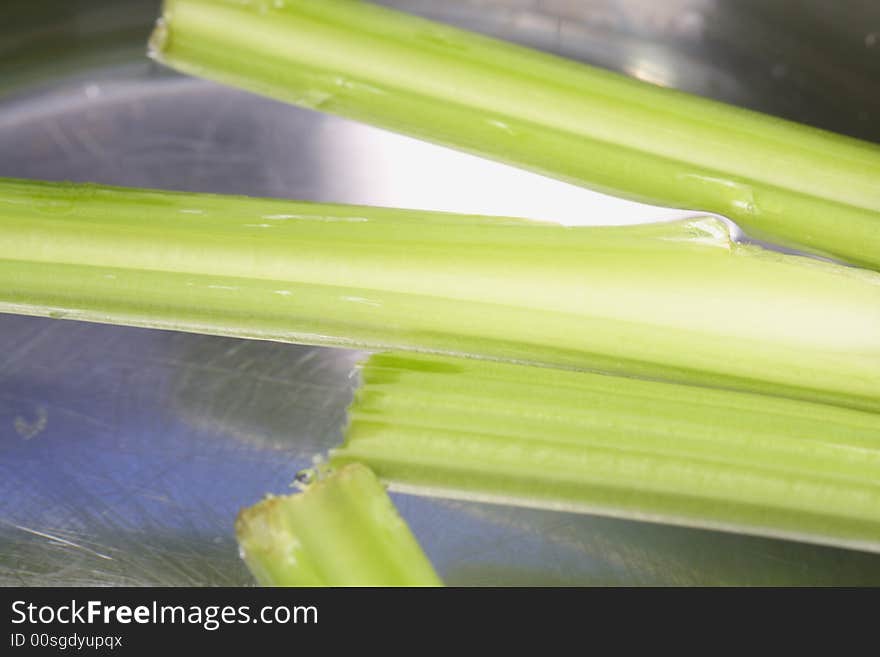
(158, 39)
(342, 530)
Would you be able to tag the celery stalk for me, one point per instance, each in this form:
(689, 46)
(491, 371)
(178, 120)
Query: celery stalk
(678, 301)
(342, 530)
(780, 181)
(616, 446)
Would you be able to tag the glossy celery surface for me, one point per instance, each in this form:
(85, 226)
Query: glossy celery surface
(780, 181)
(617, 446)
(340, 531)
(677, 301)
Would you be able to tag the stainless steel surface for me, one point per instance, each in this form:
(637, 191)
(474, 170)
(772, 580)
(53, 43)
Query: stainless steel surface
(125, 453)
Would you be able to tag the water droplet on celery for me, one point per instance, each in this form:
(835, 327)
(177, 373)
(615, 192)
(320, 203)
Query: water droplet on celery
(304, 478)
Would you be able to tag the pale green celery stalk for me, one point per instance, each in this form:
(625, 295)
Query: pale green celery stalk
(678, 301)
(780, 181)
(593, 443)
(342, 530)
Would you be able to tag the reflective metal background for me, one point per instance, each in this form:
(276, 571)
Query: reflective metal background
(125, 453)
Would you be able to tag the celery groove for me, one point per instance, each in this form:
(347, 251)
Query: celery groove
(647, 450)
(678, 301)
(343, 530)
(780, 181)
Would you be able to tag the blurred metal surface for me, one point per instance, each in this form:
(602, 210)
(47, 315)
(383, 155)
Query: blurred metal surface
(125, 453)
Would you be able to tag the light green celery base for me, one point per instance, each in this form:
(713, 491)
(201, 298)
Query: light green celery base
(341, 531)
(676, 301)
(646, 450)
(780, 181)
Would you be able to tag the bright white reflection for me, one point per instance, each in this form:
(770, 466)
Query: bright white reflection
(653, 70)
(364, 165)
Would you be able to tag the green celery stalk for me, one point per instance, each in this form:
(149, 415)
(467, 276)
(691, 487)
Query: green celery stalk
(780, 181)
(584, 442)
(343, 530)
(679, 300)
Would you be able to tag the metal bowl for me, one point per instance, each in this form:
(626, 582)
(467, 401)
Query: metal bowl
(126, 453)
